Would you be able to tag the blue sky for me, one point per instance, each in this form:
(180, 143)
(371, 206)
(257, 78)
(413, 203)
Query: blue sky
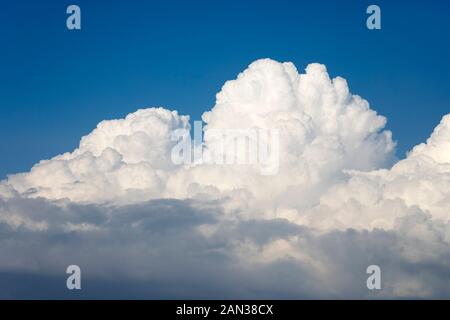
(56, 84)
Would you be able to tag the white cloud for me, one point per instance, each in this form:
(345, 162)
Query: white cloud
(124, 160)
(376, 199)
(119, 205)
(323, 129)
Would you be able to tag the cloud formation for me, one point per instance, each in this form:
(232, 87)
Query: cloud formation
(323, 129)
(421, 182)
(338, 203)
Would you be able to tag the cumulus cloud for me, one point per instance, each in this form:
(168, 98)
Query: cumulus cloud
(323, 129)
(121, 160)
(376, 199)
(122, 209)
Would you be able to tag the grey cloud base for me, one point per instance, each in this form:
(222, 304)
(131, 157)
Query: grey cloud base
(157, 250)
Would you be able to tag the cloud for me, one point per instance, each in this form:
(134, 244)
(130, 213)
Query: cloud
(121, 160)
(421, 182)
(119, 207)
(323, 129)
(188, 249)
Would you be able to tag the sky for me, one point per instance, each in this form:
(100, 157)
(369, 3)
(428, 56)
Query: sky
(56, 84)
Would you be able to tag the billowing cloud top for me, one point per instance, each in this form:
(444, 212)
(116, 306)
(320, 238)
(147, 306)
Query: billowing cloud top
(335, 175)
(323, 129)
